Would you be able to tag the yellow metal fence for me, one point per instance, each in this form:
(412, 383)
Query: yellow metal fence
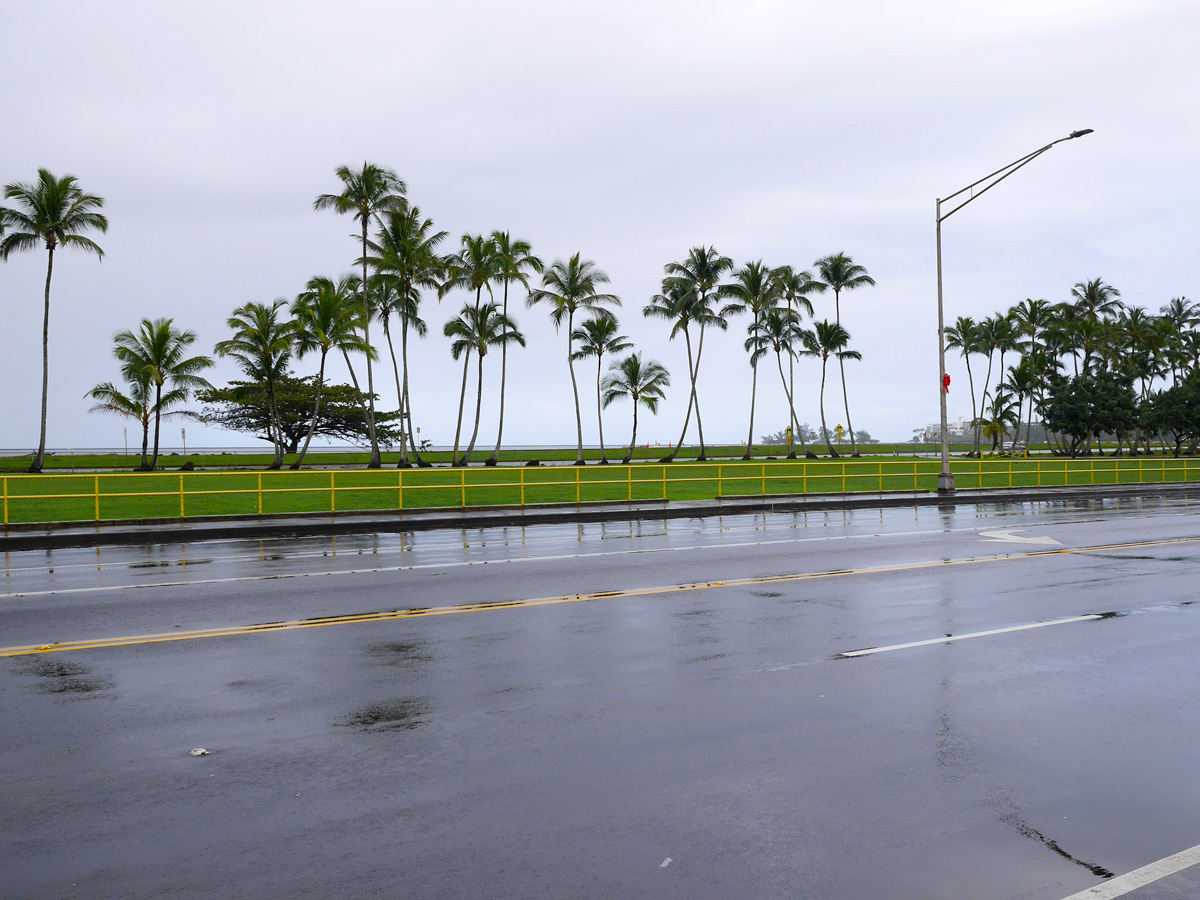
(125, 495)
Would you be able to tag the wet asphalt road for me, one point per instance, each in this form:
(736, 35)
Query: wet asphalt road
(699, 713)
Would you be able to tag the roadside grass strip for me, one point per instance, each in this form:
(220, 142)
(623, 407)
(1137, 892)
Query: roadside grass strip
(101, 496)
(491, 606)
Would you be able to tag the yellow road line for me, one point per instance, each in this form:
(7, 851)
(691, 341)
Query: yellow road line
(386, 615)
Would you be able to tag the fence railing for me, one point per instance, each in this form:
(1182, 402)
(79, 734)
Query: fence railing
(126, 495)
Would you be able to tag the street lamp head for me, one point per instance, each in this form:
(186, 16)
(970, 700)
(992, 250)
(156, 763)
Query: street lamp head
(1081, 133)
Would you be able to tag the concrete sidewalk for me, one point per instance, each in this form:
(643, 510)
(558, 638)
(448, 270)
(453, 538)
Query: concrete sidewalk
(157, 531)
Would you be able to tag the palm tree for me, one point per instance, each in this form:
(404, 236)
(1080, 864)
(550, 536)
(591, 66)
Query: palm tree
(325, 319)
(474, 331)
(1001, 417)
(781, 332)
(827, 339)
(514, 259)
(698, 277)
(838, 273)
(964, 335)
(795, 287)
(51, 212)
(755, 290)
(644, 382)
(137, 405)
(570, 286)
(597, 336)
(156, 353)
(262, 346)
(987, 342)
(366, 194)
(1095, 299)
(406, 260)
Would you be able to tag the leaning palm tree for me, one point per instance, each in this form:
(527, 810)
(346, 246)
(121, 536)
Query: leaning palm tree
(366, 194)
(570, 286)
(514, 262)
(838, 272)
(781, 332)
(405, 257)
(756, 290)
(138, 405)
(597, 336)
(698, 277)
(827, 339)
(644, 382)
(795, 287)
(50, 212)
(262, 346)
(157, 353)
(325, 319)
(475, 330)
(472, 269)
(964, 335)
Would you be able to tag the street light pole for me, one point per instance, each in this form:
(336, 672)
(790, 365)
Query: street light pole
(945, 483)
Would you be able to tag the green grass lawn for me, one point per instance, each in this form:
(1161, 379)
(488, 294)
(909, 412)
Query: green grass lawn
(81, 497)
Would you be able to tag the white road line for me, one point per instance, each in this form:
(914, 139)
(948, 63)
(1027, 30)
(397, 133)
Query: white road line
(850, 654)
(1131, 881)
(1011, 537)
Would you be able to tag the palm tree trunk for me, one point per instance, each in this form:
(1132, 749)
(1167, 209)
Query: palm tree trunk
(982, 405)
(375, 461)
(145, 443)
(687, 417)
(971, 382)
(407, 401)
(478, 406)
(157, 423)
(402, 462)
(36, 466)
(462, 400)
(703, 455)
(495, 457)
(632, 437)
(846, 399)
(362, 403)
(600, 412)
(791, 408)
(579, 461)
(312, 426)
(276, 427)
(824, 427)
(753, 393)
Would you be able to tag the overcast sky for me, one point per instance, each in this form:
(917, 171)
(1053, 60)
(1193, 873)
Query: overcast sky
(627, 131)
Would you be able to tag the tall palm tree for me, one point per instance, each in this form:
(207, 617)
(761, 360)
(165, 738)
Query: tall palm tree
(157, 353)
(325, 319)
(795, 286)
(677, 304)
(781, 332)
(1095, 299)
(570, 286)
(838, 272)
(964, 336)
(475, 330)
(824, 340)
(987, 343)
(138, 405)
(642, 381)
(472, 268)
(754, 289)
(514, 263)
(50, 212)
(597, 336)
(405, 257)
(698, 277)
(366, 194)
(262, 346)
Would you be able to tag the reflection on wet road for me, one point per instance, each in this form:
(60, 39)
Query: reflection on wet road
(556, 711)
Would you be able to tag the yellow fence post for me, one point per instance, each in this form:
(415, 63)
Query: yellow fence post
(764, 479)
(260, 493)
(843, 478)
(629, 481)
(462, 475)
(1091, 468)
(576, 484)
(5, 480)
(664, 481)
(181, 514)
(522, 472)
(95, 494)
(881, 478)
(399, 489)
(1038, 464)
(332, 491)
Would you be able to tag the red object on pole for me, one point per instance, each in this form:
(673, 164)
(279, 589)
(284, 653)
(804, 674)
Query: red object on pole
(945, 384)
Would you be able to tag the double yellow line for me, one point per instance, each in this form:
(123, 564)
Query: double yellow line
(386, 615)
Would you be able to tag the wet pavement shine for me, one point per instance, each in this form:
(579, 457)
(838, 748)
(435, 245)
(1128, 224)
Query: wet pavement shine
(660, 709)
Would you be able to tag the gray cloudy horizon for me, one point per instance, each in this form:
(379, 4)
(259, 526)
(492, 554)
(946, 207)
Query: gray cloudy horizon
(628, 132)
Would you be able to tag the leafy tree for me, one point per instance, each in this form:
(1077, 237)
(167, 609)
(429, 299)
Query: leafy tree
(50, 212)
(1175, 411)
(690, 293)
(157, 353)
(1092, 403)
(241, 406)
(326, 319)
(476, 330)
(597, 336)
(644, 382)
(514, 263)
(366, 194)
(570, 286)
(262, 346)
(838, 272)
(824, 340)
